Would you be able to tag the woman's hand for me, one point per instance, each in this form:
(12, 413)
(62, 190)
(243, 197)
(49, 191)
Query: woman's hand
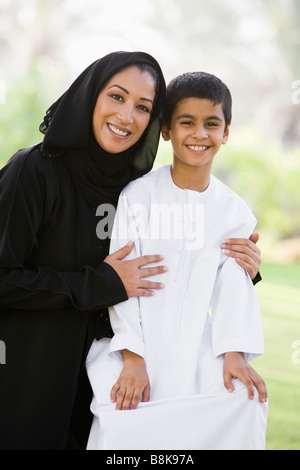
(236, 366)
(132, 384)
(131, 273)
(245, 252)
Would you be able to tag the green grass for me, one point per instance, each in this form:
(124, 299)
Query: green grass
(279, 295)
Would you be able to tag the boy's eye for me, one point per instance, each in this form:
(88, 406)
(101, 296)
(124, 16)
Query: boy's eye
(187, 123)
(212, 124)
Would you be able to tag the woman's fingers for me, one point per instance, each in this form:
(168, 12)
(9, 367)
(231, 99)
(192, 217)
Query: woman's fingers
(245, 252)
(132, 272)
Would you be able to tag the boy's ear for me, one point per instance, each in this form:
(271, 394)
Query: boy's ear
(165, 132)
(226, 134)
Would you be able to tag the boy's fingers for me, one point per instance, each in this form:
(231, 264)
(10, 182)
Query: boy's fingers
(114, 391)
(227, 382)
(120, 399)
(261, 388)
(146, 393)
(136, 398)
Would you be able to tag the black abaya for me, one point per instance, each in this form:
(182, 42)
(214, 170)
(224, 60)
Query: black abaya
(54, 285)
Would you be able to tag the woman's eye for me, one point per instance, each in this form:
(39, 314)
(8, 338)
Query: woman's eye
(144, 108)
(117, 97)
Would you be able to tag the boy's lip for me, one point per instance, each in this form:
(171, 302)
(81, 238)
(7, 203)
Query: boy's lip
(118, 131)
(197, 148)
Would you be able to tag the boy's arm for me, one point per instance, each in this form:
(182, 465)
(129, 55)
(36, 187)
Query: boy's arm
(237, 328)
(236, 315)
(133, 383)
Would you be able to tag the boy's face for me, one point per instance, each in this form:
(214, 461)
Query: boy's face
(197, 131)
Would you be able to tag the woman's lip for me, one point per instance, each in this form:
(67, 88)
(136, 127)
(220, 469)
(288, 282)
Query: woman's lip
(118, 131)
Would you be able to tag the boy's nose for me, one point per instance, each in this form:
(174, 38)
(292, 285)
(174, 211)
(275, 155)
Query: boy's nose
(200, 132)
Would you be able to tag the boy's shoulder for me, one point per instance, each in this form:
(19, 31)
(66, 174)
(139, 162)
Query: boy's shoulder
(147, 182)
(228, 197)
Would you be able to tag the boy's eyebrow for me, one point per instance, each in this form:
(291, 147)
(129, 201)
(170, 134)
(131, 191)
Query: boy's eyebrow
(208, 118)
(127, 92)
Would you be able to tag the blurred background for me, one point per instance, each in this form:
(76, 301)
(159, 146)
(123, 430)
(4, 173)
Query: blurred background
(255, 48)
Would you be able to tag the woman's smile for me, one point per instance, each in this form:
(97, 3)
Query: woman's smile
(123, 109)
(118, 131)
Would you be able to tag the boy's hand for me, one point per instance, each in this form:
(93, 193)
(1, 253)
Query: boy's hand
(245, 252)
(236, 366)
(132, 384)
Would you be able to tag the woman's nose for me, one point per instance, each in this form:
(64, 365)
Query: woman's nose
(125, 115)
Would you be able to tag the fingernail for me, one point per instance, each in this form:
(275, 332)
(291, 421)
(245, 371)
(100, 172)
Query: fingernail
(165, 268)
(129, 243)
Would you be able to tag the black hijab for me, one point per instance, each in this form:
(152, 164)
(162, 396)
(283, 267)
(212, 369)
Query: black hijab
(100, 176)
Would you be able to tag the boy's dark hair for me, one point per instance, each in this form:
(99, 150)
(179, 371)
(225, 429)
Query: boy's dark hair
(198, 85)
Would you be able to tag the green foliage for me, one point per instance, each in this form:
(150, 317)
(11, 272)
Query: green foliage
(280, 368)
(267, 176)
(25, 105)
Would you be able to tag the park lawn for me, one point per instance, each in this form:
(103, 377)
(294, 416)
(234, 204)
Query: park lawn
(279, 296)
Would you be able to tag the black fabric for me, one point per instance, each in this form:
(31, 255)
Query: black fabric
(257, 278)
(54, 290)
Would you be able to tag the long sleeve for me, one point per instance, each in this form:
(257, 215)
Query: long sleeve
(236, 315)
(125, 317)
(26, 192)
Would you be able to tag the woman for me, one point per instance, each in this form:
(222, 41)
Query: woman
(56, 279)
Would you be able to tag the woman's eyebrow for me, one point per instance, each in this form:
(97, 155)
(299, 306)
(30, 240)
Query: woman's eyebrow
(119, 86)
(127, 92)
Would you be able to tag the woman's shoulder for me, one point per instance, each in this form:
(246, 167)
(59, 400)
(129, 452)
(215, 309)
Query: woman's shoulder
(29, 160)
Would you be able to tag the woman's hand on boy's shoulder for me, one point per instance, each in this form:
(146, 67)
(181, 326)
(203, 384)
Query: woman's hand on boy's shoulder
(246, 253)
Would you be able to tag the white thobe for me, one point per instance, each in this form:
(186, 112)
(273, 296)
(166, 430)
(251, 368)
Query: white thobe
(208, 307)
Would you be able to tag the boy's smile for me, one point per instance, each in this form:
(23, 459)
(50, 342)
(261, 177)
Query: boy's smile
(197, 131)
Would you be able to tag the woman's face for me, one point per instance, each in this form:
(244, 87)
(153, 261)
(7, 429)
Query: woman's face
(123, 108)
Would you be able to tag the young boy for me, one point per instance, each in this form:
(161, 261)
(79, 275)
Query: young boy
(192, 341)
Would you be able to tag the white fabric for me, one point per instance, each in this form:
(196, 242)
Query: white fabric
(182, 344)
